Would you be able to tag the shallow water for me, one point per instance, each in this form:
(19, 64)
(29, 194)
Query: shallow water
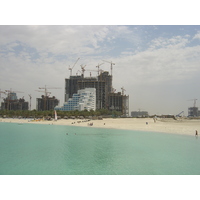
(54, 149)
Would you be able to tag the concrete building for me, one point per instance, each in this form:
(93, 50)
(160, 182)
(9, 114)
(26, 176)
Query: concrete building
(85, 99)
(118, 102)
(102, 84)
(46, 103)
(104, 95)
(193, 112)
(139, 114)
(11, 102)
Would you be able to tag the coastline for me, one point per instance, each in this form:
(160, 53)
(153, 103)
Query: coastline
(183, 127)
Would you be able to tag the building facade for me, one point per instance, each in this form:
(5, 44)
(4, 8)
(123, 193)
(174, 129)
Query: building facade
(84, 99)
(193, 112)
(11, 102)
(139, 114)
(118, 102)
(102, 84)
(46, 103)
(105, 98)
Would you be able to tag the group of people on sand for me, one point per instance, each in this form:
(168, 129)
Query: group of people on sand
(90, 124)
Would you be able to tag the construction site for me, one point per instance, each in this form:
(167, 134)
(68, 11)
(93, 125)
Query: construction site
(106, 97)
(46, 102)
(11, 102)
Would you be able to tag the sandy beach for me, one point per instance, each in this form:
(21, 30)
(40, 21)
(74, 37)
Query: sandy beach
(183, 126)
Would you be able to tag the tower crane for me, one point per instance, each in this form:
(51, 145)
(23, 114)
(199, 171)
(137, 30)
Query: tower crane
(83, 69)
(123, 90)
(98, 67)
(9, 96)
(194, 101)
(70, 68)
(77, 72)
(111, 65)
(46, 93)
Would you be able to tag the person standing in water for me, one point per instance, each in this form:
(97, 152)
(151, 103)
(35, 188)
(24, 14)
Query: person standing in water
(196, 133)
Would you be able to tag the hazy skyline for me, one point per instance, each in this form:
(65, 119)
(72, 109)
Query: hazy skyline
(157, 65)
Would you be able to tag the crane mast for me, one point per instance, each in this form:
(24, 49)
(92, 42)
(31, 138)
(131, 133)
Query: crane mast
(111, 65)
(70, 68)
(46, 93)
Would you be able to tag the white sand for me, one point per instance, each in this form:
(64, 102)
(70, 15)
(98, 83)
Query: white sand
(185, 126)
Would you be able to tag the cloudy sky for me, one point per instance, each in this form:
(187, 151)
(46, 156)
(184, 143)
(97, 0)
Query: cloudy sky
(159, 66)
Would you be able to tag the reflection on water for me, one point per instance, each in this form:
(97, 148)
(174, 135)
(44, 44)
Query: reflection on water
(43, 149)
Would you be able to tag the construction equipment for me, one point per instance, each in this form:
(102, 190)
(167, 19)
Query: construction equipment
(9, 96)
(98, 67)
(194, 101)
(111, 63)
(46, 93)
(70, 68)
(123, 90)
(83, 69)
(77, 72)
(178, 115)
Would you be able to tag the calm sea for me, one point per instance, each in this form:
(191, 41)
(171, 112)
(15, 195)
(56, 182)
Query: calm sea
(68, 150)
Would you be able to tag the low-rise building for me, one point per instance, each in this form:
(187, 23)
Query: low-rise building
(85, 99)
(139, 114)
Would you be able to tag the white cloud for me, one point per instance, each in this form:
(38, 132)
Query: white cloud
(197, 36)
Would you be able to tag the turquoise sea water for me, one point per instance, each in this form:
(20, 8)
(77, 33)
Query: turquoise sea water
(68, 150)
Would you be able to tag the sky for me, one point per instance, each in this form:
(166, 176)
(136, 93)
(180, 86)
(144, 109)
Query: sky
(157, 65)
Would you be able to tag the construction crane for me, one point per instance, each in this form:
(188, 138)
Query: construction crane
(77, 72)
(30, 100)
(178, 115)
(194, 101)
(70, 68)
(98, 67)
(123, 90)
(46, 93)
(83, 69)
(111, 63)
(9, 96)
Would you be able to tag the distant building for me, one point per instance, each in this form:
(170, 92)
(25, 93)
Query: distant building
(102, 83)
(105, 97)
(46, 103)
(139, 114)
(193, 112)
(12, 103)
(85, 99)
(118, 102)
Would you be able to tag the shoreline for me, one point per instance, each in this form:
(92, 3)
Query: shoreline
(182, 127)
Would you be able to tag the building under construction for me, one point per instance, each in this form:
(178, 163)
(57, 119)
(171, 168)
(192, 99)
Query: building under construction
(105, 97)
(46, 103)
(193, 112)
(11, 102)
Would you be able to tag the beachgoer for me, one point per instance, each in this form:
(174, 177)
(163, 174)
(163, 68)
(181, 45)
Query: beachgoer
(196, 132)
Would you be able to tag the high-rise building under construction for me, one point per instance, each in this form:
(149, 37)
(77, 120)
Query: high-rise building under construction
(104, 91)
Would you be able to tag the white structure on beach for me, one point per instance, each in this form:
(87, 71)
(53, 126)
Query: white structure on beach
(85, 99)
